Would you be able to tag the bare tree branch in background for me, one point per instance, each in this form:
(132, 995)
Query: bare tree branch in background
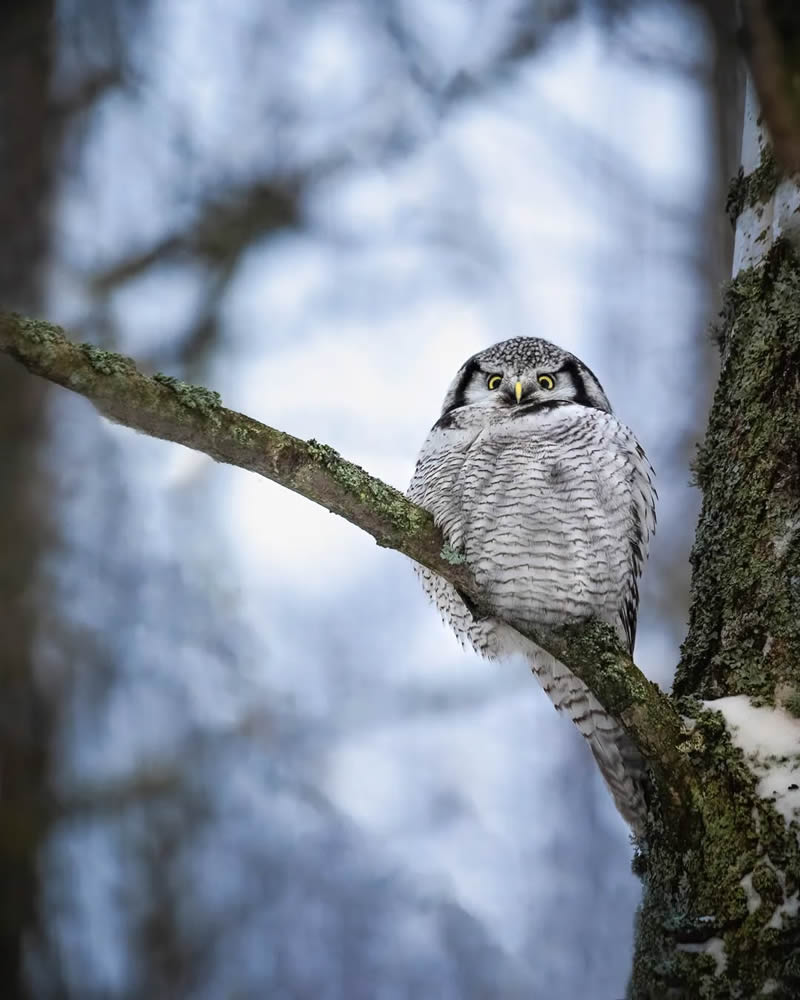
(230, 219)
(224, 229)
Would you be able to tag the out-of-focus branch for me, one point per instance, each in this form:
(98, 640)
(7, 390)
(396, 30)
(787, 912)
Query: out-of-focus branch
(223, 230)
(166, 408)
(772, 48)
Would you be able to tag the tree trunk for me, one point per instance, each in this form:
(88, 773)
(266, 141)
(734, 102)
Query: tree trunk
(720, 916)
(25, 183)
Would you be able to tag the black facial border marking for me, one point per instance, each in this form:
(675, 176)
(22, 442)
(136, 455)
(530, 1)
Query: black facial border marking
(582, 397)
(570, 368)
(460, 394)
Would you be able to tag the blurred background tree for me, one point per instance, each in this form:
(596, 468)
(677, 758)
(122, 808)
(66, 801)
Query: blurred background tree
(28, 150)
(240, 756)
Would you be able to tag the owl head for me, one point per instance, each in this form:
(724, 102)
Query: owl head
(520, 375)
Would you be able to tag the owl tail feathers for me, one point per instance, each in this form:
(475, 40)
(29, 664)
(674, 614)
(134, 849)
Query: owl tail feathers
(620, 763)
(624, 772)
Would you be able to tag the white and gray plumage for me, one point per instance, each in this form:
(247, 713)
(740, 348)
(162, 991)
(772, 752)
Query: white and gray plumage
(550, 499)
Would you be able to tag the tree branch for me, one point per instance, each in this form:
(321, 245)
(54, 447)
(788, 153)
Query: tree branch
(166, 408)
(772, 48)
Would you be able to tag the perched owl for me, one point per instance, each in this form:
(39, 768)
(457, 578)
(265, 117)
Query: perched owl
(550, 499)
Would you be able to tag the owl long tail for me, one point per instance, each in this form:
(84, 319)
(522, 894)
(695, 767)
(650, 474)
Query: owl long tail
(619, 761)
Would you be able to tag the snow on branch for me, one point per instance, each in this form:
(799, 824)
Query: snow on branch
(164, 407)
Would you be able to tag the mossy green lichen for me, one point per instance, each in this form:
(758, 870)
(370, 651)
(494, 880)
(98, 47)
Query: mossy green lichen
(37, 330)
(107, 362)
(324, 454)
(766, 883)
(452, 556)
(756, 187)
(242, 435)
(694, 895)
(744, 634)
(595, 647)
(390, 504)
(193, 397)
(744, 638)
(791, 702)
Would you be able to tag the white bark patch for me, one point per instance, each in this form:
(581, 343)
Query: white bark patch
(788, 908)
(770, 741)
(753, 897)
(784, 540)
(759, 226)
(752, 133)
(715, 947)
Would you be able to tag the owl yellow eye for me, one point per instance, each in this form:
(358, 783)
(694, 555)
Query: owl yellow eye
(494, 381)
(546, 381)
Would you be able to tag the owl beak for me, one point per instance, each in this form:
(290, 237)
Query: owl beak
(518, 391)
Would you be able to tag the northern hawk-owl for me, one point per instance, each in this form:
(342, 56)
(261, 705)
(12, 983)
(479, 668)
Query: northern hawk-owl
(550, 500)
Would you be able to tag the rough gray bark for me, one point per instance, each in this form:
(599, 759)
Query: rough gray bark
(720, 911)
(744, 638)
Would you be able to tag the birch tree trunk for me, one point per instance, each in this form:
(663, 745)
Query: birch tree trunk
(720, 916)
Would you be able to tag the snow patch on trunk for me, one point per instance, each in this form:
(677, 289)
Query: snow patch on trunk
(788, 908)
(753, 897)
(770, 741)
(715, 947)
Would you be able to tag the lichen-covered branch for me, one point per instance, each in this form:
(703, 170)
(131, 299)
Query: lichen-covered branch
(166, 408)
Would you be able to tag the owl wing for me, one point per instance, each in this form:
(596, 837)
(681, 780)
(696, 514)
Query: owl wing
(642, 501)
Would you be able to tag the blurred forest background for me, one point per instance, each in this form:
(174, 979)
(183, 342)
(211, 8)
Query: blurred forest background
(241, 757)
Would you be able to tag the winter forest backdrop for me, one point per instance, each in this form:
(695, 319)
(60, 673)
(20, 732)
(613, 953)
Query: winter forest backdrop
(275, 773)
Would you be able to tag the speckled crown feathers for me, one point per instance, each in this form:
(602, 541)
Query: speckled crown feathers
(523, 351)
